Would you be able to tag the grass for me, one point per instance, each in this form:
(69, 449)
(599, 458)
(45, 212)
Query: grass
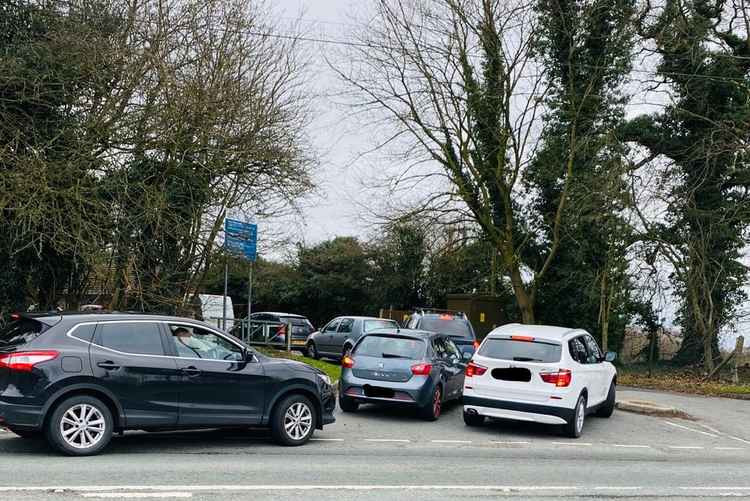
(685, 381)
(333, 370)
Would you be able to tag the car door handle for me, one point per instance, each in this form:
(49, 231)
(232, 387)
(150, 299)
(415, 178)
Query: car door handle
(108, 365)
(191, 371)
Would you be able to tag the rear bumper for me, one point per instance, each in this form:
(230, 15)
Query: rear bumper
(417, 391)
(19, 416)
(519, 411)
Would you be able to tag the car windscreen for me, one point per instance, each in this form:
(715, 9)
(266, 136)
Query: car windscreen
(21, 331)
(446, 324)
(390, 347)
(521, 351)
(371, 325)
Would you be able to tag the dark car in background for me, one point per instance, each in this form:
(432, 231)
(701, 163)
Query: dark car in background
(338, 336)
(400, 366)
(454, 324)
(279, 322)
(78, 378)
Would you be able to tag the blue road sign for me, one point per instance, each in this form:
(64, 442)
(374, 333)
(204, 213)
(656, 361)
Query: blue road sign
(240, 229)
(241, 238)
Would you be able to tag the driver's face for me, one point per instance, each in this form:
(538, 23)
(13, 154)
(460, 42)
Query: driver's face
(182, 333)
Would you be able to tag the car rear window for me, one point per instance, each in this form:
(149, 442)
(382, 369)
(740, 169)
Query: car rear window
(296, 321)
(449, 325)
(21, 331)
(371, 325)
(521, 351)
(391, 347)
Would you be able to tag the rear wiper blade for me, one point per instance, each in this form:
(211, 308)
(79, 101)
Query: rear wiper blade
(392, 355)
(527, 359)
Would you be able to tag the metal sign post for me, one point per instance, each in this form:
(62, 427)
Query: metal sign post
(241, 238)
(224, 305)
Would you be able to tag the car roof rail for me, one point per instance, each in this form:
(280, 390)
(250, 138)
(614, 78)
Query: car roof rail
(424, 310)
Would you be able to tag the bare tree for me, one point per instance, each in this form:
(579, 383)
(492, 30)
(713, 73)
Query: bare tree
(461, 90)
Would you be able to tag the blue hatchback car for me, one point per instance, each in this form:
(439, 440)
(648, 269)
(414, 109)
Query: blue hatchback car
(416, 368)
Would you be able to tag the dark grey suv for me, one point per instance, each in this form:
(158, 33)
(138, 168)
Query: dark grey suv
(77, 379)
(454, 324)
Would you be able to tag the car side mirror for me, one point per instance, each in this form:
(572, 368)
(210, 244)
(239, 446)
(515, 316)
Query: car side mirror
(466, 356)
(610, 356)
(250, 356)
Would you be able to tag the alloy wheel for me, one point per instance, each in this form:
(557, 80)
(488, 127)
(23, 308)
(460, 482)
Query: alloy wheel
(82, 426)
(298, 420)
(580, 414)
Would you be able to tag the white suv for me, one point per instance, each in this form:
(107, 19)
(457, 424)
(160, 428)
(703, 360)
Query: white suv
(538, 373)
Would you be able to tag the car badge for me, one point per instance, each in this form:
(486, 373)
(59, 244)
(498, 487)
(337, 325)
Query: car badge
(380, 366)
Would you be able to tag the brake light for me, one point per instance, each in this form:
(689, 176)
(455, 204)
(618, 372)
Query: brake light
(446, 317)
(561, 378)
(421, 369)
(476, 345)
(347, 362)
(522, 338)
(15, 316)
(475, 370)
(24, 361)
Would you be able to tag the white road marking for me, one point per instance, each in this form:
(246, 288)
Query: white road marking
(400, 440)
(136, 495)
(716, 488)
(709, 428)
(135, 489)
(616, 488)
(729, 448)
(327, 439)
(685, 447)
(739, 439)
(691, 429)
(583, 444)
(520, 442)
(451, 441)
(629, 446)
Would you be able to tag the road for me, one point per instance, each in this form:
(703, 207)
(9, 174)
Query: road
(379, 454)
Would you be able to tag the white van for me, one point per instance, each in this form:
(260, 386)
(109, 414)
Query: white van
(211, 310)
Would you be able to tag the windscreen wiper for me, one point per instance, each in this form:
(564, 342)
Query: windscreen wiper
(527, 359)
(392, 355)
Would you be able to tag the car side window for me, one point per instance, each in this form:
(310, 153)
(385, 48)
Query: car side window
(346, 325)
(452, 350)
(594, 353)
(577, 350)
(439, 347)
(332, 326)
(138, 338)
(195, 342)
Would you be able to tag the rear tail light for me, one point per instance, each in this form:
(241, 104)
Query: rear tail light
(421, 369)
(347, 362)
(475, 370)
(24, 361)
(561, 378)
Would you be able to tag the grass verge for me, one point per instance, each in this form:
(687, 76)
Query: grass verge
(684, 381)
(333, 370)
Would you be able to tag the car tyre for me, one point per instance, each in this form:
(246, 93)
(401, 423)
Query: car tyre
(293, 421)
(431, 411)
(31, 434)
(574, 427)
(473, 419)
(80, 426)
(608, 407)
(312, 351)
(348, 404)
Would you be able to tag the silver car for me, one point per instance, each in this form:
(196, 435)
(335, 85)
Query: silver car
(338, 336)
